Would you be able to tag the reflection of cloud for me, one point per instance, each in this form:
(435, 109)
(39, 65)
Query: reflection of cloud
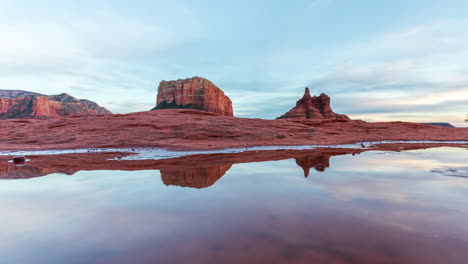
(378, 176)
(452, 171)
(384, 200)
(398, 190)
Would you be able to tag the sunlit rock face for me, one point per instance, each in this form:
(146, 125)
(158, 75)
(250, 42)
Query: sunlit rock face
(193, 93)
(195, 178)
(313, 107)
(23, 104)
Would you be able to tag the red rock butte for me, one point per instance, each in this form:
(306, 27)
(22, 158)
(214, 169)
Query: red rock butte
(193, 93)
(316, 107)
(23, 104)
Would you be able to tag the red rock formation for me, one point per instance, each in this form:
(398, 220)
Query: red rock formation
(37, 105)
(183, 129)
(16, 93)
(193, 93)
(313, 108)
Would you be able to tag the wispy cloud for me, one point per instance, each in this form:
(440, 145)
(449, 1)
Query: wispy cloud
(418, 74)
(85, 56)
(262, 59)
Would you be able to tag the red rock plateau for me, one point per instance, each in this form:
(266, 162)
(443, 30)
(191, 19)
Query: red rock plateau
(23, 104)
(316, 107)
(183, 129)
(193, 93)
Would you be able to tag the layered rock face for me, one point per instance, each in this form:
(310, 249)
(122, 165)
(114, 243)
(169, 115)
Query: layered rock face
(316, 107)
(193, 93)
(23, 104)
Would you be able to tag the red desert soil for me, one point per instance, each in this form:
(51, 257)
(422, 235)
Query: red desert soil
(179, 129)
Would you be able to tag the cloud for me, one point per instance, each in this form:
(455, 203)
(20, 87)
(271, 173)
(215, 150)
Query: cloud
(111, 55)
(75, 44)
(419, 74)
(93, 57)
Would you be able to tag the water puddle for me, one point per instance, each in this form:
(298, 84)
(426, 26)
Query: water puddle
(327, 205)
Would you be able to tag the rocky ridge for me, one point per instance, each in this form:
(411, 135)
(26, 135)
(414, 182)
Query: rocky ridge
(23, 104)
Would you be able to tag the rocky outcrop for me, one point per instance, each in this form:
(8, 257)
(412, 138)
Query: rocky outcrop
(316, 107)
(23, 104)
(16, 93)
(193, 93)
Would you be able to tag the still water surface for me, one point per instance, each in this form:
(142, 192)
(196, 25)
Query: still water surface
(376, 207)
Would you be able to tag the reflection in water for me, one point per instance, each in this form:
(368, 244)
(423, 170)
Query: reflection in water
(13, 171)
(19, 160)
(459, 171)
(198, 171)
(196, 177)
(378, 207)
(319, 162)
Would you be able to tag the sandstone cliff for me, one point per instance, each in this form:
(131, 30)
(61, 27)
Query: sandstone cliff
(316, 107)
(193, 93)
(23, 104)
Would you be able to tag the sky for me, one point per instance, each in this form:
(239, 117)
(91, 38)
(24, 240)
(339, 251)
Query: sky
(378, 60)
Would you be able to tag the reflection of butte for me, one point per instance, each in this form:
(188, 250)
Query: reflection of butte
(318, 162)
(195, 177)
(198, 171)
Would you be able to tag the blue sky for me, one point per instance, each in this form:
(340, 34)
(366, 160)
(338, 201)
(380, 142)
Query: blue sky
(378, 60)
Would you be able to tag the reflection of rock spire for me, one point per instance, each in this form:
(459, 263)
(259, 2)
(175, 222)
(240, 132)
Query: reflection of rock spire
(194, 177)
(318, 162)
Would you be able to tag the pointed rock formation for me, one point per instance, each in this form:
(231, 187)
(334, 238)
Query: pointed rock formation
(316, 107)
(193, 93)
(23, 104)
